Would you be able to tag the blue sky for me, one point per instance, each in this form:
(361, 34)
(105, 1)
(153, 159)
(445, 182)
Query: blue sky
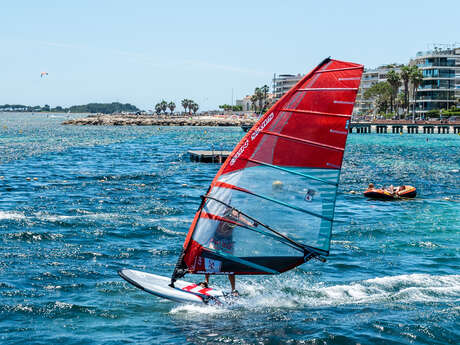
(144, 51)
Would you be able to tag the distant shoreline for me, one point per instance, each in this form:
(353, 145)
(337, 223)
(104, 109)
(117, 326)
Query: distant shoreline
(144, 120)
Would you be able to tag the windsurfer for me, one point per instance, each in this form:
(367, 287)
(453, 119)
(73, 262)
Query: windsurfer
(223, 240)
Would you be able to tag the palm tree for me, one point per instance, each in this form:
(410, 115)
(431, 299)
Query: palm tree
(405, 76)
(185, 104)
(265, 89)
(394, 81)
(158, 108)
(259, 96)
(400, 101)
(164, 106)
(194, 107)
(416, 78)
(254, 102)
(171, 106)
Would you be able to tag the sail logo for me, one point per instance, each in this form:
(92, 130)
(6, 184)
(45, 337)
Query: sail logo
(253, 136)
(240, 152)
(211, 265)
(262, 126)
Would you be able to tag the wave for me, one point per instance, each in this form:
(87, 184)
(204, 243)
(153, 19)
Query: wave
(49, 309)
(57, 218)
(29, 236)
(286, 292)
(11, 215)
(120, 177)
(169, 231)
(43, 216)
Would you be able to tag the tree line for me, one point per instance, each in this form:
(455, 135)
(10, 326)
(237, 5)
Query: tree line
(259, 99)
(385, 94)
(189, 106)
(228, 107)
(104, 108)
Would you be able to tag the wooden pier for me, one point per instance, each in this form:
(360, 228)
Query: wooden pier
(402, 126)
(208, 156)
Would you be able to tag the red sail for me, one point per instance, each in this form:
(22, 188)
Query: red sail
(270, 206)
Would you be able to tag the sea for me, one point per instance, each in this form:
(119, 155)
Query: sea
(78, 203)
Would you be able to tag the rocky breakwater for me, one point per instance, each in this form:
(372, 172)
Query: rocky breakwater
(143, 120)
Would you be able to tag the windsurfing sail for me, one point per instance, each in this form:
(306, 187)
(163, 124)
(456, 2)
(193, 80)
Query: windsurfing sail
(271, 205)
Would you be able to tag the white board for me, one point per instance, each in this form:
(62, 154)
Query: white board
(182, 291)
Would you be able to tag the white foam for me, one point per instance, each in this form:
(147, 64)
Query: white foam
(288, 293)
(34, 236)
(198, 309)
(21, 307)
(63, 305)
(11, 215)
(88, 215)
(170, 232)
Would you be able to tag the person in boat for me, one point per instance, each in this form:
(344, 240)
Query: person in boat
(371, 186)
(391, 190)
(223, 241)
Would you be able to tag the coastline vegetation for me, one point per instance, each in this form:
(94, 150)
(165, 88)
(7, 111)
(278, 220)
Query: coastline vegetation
(228, 107)
(388, 101)
(385, 94)
(163, 106)
(104, 108)
(259, 99)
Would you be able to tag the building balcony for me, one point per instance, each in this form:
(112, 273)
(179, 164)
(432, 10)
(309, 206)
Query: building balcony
(432, 99)
(424, 68)
(439, 78)
(435, 88)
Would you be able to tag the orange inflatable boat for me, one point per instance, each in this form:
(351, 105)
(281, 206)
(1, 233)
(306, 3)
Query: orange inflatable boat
(384, 194)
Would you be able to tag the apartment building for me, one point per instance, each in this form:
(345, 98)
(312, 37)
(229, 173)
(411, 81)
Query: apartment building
(370, 77)
(440, 88)
(282, 83)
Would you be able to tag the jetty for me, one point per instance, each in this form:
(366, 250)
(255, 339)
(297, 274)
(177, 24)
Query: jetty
(405, 126)
(154, 120)
(246, 122)
(208, 156)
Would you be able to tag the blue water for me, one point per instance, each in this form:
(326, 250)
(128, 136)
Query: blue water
(79, 203)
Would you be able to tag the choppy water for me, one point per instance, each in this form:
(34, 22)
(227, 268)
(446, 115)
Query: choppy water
(79, 203)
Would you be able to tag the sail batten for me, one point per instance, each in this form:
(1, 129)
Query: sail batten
(339, 70)
(243, 261)
(292, 172)
(312, 112)
(308, 142)
(272, 234)
(279, 202)
(271, 205)
(329, 89)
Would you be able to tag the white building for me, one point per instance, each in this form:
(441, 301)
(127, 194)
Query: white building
(440, 88)
(245, 103)
(371, 77)
(283, 83)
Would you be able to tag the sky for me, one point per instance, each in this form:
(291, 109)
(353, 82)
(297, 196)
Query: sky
(212, 52)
